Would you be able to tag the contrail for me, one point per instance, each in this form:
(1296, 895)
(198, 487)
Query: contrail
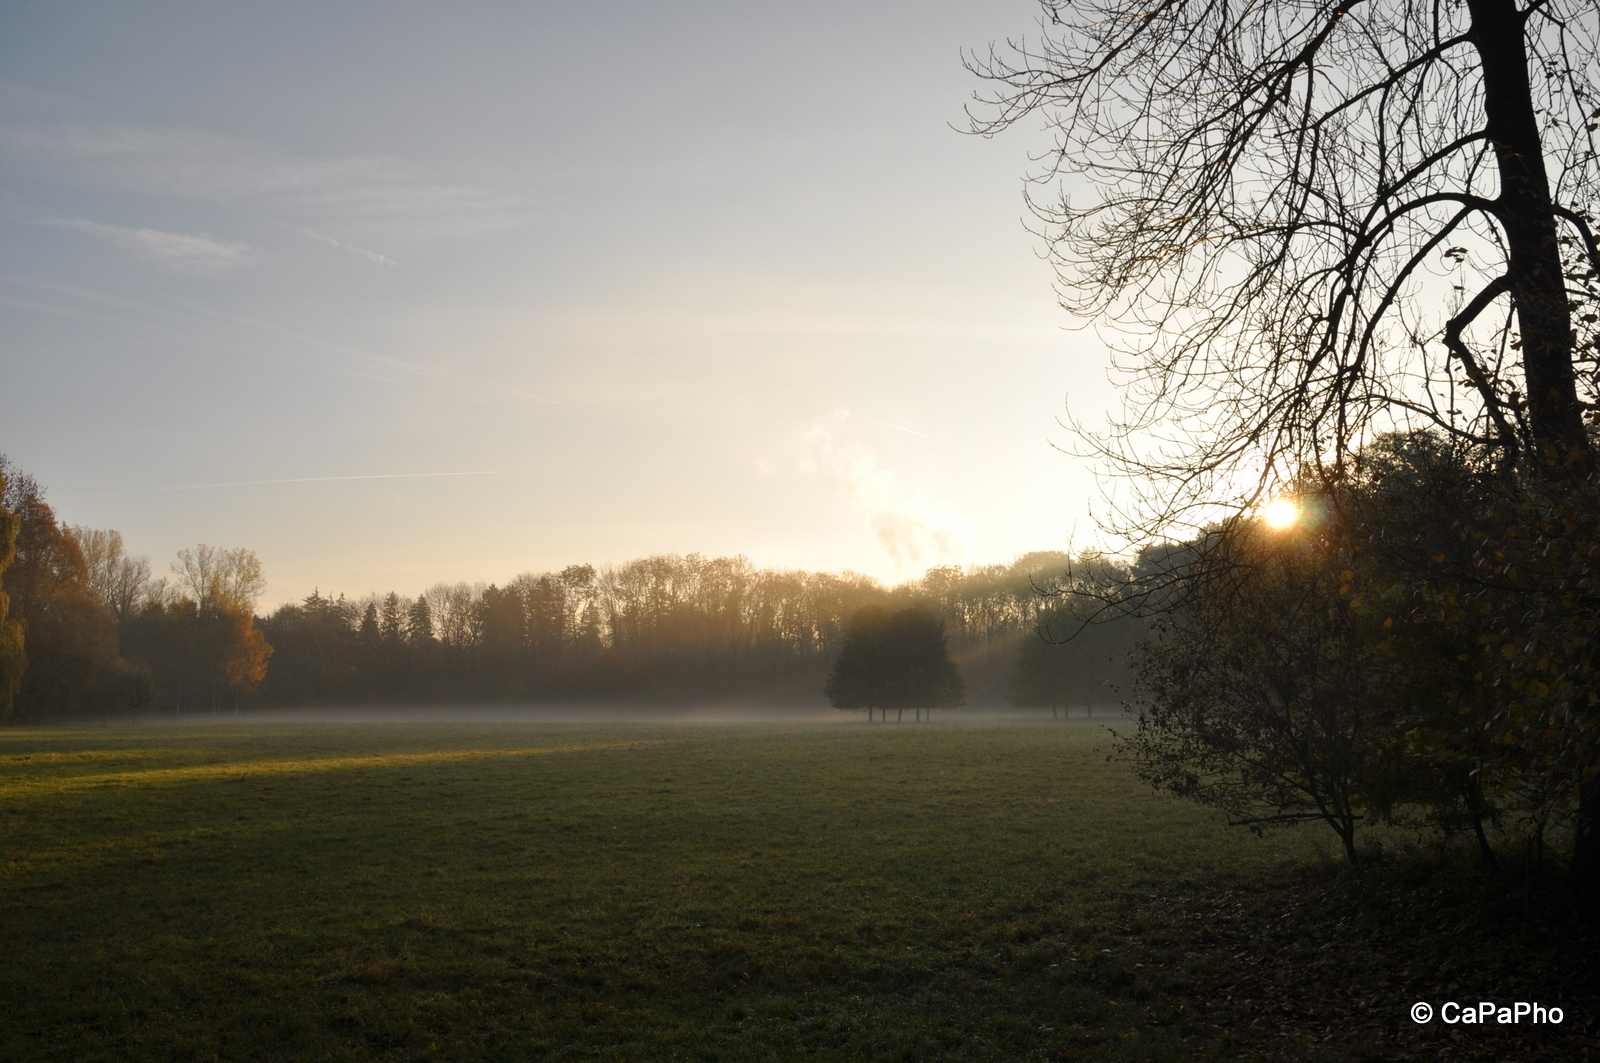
(886, 424)
(384, 260)
(286, 480)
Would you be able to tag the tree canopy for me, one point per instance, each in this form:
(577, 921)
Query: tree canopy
(895, 660)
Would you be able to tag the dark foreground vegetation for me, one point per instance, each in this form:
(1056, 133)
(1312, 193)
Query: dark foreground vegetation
(645, 892)
(1398, 655)
(1345, 252)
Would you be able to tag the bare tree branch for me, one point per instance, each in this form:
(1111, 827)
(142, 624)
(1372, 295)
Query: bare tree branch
(1253, 204)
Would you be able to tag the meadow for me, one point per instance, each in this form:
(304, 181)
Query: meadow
(620, 891)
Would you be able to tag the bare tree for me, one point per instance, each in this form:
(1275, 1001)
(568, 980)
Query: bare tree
(1309, 220)
(196, 570)
(217, 579)
(454, 610)
(119, 580)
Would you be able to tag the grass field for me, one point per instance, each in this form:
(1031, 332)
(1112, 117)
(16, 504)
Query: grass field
(561, 891)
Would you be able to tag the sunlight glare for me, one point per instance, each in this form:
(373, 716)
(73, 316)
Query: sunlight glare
(1280, 513)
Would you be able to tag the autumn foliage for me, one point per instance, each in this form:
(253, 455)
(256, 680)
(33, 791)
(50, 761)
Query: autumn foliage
(84, 630)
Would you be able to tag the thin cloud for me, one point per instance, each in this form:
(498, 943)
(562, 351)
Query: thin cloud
(914, 532)
(350, 363)
(389, 193)
(290, 480)
(378, 362)
(191, 253)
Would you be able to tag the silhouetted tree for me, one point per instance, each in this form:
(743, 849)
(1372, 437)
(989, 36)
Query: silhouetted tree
(419, 622)
(1342, 656)
(1073, 662)
(368, 631)
(316, 655)
(502, 648)
(1271, 188)
(897, 661)
(1263, 695)
(391, 618)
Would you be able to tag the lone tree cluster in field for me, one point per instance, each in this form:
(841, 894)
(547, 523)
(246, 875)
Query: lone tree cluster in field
(896, 661)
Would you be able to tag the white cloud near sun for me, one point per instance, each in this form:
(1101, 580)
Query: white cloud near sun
(916, 533)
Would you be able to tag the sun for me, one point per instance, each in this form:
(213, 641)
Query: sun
(1281, 513)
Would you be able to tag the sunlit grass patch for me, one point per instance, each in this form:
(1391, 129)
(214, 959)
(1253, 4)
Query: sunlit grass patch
(48, 776)
(563, 891)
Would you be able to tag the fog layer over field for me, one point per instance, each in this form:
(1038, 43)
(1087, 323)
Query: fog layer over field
(468, 714)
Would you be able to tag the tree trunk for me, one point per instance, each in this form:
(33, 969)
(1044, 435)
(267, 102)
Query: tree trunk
(1526, 214)
(1586, 847)
(1347, 835)
(1474, 795)
(1525, 211)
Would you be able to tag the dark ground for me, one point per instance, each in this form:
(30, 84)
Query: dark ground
(975, 890)
(1314, 961)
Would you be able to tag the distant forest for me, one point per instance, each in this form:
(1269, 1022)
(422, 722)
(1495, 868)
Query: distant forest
(101, 633)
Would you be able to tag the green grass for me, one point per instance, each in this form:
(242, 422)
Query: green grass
(591, 891)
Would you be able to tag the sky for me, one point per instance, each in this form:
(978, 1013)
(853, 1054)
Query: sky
(407, 292)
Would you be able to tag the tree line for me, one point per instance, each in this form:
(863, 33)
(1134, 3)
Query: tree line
(93, 630)
(665, 627)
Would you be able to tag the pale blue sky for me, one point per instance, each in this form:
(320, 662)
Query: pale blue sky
(695, 276)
